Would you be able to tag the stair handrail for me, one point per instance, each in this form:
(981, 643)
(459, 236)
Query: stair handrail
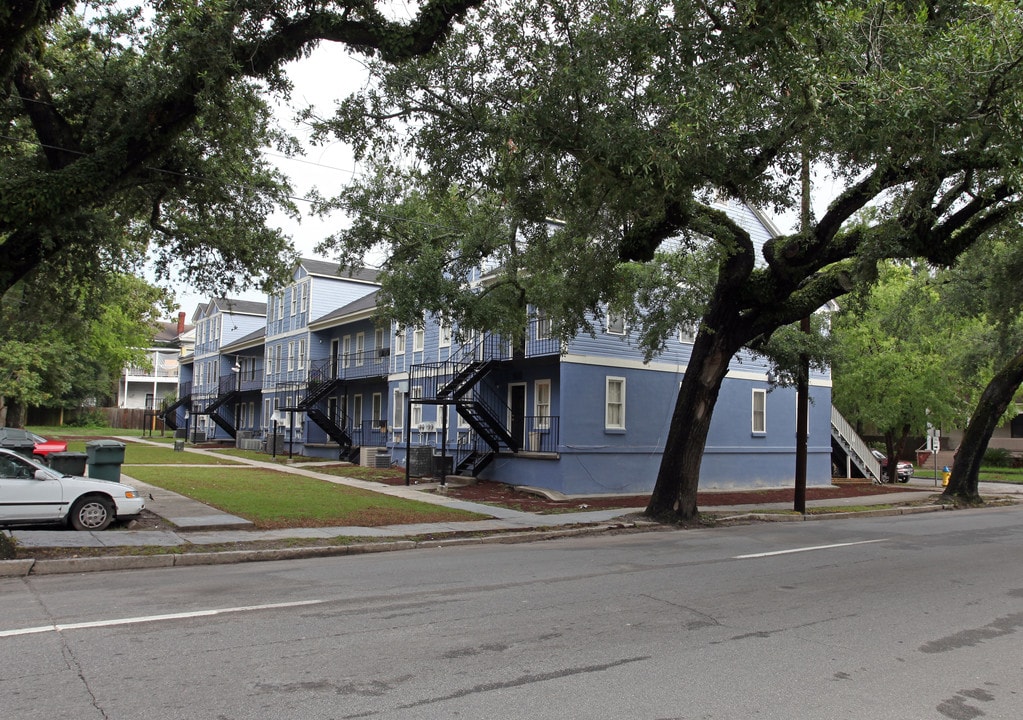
(858, 450)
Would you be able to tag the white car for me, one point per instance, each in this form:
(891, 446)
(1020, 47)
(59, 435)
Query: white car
(33, 493)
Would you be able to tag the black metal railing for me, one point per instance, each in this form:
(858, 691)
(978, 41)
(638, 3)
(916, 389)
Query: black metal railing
(542, 433)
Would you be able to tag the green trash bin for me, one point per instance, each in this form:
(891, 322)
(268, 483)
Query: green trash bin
(68, 463)
(105, 458)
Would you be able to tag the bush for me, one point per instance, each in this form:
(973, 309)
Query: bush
(89, 418)
(997, 457)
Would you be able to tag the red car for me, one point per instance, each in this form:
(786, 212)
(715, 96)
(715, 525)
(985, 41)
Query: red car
(903, 471)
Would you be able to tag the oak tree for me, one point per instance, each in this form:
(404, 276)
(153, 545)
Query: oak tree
(630, 122)
(139, 130)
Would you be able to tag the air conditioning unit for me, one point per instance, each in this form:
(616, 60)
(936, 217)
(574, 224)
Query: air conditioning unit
(426, 427)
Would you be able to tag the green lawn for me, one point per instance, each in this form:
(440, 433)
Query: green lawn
(987, 474)
(274, 499)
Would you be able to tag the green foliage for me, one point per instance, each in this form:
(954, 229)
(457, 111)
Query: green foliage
(520, 118)
(892, 367)
(65, 339)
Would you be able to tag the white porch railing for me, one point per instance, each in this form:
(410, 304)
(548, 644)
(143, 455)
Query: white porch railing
(856, 451)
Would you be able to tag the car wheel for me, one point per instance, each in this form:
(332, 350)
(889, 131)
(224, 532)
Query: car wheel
(92, 512)
(904, 478)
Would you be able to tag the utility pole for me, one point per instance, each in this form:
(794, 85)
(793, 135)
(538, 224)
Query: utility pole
(803, 379)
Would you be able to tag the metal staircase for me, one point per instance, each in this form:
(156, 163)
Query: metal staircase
(328, 377)
(169, 415)
(846, 441)
(460, 381)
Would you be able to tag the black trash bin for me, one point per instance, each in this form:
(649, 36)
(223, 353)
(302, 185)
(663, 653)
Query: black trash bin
(443, 465)
(105, 458)
(22, 447)
(68, 463)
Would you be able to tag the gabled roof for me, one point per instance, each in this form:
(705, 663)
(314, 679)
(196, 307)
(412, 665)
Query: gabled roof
(322, 268)
(240, 307)
(355, 310)
(229, 306)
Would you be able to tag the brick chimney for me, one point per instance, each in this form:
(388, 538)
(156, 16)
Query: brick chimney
(181, 322)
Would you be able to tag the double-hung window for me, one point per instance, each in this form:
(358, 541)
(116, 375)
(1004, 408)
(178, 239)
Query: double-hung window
(614, 403)
(542, 404)
(759, 422)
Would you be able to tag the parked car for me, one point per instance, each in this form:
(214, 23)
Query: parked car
(32, 493)
(16, 438)
(903, 470)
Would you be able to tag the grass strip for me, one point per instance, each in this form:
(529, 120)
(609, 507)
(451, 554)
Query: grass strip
(273, 499)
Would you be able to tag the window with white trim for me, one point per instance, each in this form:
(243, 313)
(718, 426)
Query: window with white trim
(398, 409)
(269, 362)
(291, 356)
(360, 348)
(542, 404)
(294, 301)
(417, 408)
(759, 411)
(444, 332)
(614, 403)
(277, 357)
(346, 351)
(378, 407)
(418, 339)
(687, 333)
(542, 326)
(305, 296)
(615, 323)
(399, 341)
(301, 354)
(280, 306)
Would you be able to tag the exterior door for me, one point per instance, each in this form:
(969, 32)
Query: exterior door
(517, 412)
(335, 347)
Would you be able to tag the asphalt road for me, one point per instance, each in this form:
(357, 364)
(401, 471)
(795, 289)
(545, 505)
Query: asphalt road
(897, 617)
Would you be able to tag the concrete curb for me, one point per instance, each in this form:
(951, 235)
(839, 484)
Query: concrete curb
(22, 568)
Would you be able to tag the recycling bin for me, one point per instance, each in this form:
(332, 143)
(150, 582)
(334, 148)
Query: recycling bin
(68, 463)
(105, 458)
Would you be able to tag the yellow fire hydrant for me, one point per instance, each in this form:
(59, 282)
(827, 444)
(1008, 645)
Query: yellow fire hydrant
(946, 473)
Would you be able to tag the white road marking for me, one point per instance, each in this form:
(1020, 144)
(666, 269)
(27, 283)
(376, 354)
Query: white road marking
(806, 549)
(153, 618)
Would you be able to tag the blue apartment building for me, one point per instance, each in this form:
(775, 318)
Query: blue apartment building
(321, 378)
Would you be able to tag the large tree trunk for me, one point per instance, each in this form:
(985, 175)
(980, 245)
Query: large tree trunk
(990, 408)
(894, 445)
(674, 496)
